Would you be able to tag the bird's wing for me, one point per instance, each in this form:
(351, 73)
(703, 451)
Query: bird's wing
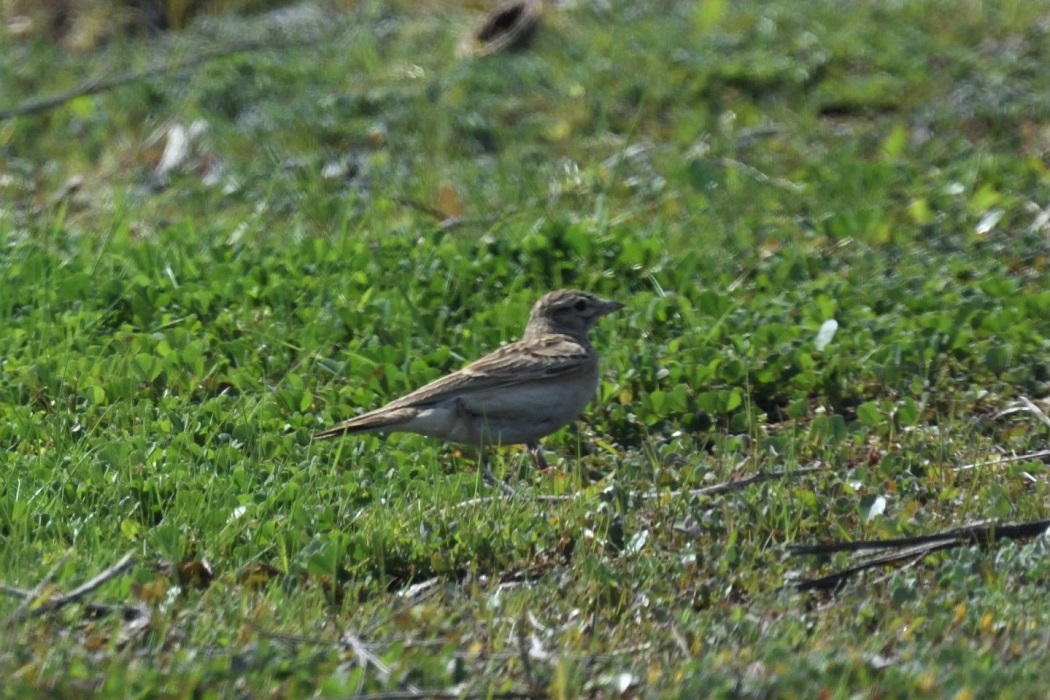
(535, 359)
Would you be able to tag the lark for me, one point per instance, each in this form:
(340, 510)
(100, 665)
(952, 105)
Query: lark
(518, 394)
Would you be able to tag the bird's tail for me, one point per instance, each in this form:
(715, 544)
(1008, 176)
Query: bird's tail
(372, 422)
(347, 428)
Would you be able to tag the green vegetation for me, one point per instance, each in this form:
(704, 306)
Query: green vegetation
(363, 211)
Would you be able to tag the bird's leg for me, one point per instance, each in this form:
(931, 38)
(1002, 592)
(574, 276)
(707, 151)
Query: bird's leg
(483, 465)
(483, 459)
(537, 456)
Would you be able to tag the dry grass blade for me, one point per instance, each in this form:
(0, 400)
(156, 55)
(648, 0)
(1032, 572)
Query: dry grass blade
(351, 642)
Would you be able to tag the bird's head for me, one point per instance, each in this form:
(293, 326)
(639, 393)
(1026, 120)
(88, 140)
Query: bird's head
(568, 311)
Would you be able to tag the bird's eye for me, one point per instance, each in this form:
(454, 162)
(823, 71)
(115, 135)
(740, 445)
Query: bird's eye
(580, 305)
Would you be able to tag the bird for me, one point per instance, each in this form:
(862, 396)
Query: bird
(517, 394)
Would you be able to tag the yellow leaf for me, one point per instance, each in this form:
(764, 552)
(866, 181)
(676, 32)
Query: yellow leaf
(559, 131)
(83, 107)
(709, 14)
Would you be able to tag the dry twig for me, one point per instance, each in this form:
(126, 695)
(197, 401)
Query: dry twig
(76, 595)
(100, 85)
(981, 534)
(1037, 456)
(32, 595)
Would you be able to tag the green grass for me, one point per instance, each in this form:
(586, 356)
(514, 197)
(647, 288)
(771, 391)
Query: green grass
(737, 173)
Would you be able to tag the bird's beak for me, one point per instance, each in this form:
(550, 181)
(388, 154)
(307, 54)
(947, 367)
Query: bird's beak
(608, 306)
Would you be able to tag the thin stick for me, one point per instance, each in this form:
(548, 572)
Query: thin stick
(985, 532)
(99, 85)
(1028, 456)
(835, 580)
(32, 595)
(128, 612)
(78, 593)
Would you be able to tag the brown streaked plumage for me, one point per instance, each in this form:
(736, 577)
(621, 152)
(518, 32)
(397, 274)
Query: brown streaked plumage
(517, 394)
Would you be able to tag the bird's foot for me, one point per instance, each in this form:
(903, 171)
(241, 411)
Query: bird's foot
(538, 459)
(492, 480)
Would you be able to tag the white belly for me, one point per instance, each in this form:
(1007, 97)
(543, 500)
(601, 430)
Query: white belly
(519, 414)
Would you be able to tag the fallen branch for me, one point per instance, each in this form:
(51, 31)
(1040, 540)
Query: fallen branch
(38, 589)
(1038, 455)
(82, 591)
(99, 85)
(834, 581)
(128, 612)
(981, 534)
